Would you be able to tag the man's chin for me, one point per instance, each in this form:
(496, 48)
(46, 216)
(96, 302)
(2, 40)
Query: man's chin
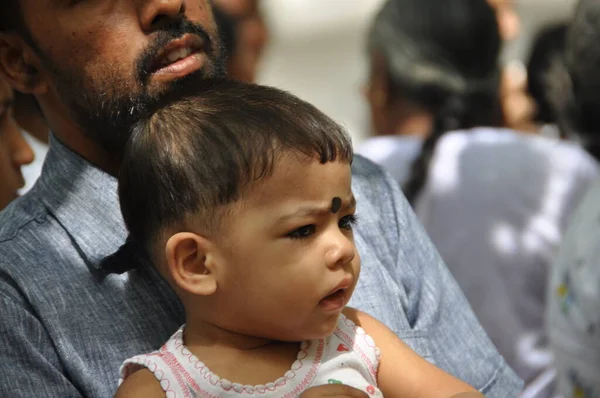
(159, 86)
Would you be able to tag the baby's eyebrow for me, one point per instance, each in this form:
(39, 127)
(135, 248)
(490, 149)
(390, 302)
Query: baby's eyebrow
(304, 211)
(316, 209)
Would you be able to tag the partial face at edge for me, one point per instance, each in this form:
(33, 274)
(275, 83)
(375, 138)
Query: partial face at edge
(107, 60)
(251, 36)
(290, 262)
(376, 93)
(509, 21)
(14, 150)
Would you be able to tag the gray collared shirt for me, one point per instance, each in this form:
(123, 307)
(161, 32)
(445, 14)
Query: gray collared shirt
(67, 323)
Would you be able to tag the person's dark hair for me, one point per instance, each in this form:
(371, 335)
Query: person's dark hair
(548, 48)
(575, 82)
(10, 16)
(201, 151)
(443, 56)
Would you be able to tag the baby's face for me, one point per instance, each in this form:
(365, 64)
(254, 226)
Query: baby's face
(289, 255)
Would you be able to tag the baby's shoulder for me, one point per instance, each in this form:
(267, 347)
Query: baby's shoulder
(142, 384)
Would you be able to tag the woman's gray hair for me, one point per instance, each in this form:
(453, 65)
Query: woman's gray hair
(414, 60)
(407, 61)
(443, 56)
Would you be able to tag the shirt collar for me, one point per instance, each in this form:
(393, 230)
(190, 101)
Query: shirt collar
(84, 200)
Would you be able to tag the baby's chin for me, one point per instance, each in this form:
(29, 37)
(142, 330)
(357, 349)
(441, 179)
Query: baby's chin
(321, 331)
(311, 330)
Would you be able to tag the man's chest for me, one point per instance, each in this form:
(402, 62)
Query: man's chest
(96, 323)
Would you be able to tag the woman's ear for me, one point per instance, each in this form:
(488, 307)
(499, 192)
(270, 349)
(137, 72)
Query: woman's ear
(379, 82)
(378, 95)
(190, 262)
(20, 64)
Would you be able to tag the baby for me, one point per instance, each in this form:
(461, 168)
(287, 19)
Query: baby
(241, 196)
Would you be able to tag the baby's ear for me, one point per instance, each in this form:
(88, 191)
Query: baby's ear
(189, 261)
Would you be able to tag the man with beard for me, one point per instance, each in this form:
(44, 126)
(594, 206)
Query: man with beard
(68, 321)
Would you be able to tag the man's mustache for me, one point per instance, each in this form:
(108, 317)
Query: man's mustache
(176, 29)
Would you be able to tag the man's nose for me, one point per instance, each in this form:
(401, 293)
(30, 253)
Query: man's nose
(155, 14)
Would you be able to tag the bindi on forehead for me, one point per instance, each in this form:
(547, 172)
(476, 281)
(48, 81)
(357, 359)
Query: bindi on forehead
(336, 204)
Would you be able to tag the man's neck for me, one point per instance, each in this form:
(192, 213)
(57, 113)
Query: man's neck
(71, 135)
(91, 151)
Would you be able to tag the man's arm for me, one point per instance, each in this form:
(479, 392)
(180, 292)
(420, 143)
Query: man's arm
(435, 309)
(29, 366)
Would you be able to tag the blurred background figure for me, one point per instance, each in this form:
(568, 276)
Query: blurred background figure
(316, 50)
(546, 51)
(509, 22)
(15, 152)
(518, 107)
(494, 201)
(244, 34)
(433, 69)
(573, 320)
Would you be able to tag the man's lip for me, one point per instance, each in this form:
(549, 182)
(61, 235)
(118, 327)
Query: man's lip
(179, 69)
(195, 42)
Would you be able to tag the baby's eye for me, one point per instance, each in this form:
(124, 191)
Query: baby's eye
(347, 222)
(302, 232)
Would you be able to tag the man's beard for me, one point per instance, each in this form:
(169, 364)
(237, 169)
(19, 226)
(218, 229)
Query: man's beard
(106, 113)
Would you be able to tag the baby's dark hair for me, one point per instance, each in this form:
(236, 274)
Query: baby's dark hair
(199, 151)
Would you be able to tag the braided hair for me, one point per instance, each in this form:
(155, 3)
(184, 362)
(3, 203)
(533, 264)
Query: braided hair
(444, 58)
(447, 119)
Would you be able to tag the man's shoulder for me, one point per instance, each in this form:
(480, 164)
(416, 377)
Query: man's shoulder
(372, 186)
(382, 207)
(25, 226)
(20, 217)
(364, 170)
